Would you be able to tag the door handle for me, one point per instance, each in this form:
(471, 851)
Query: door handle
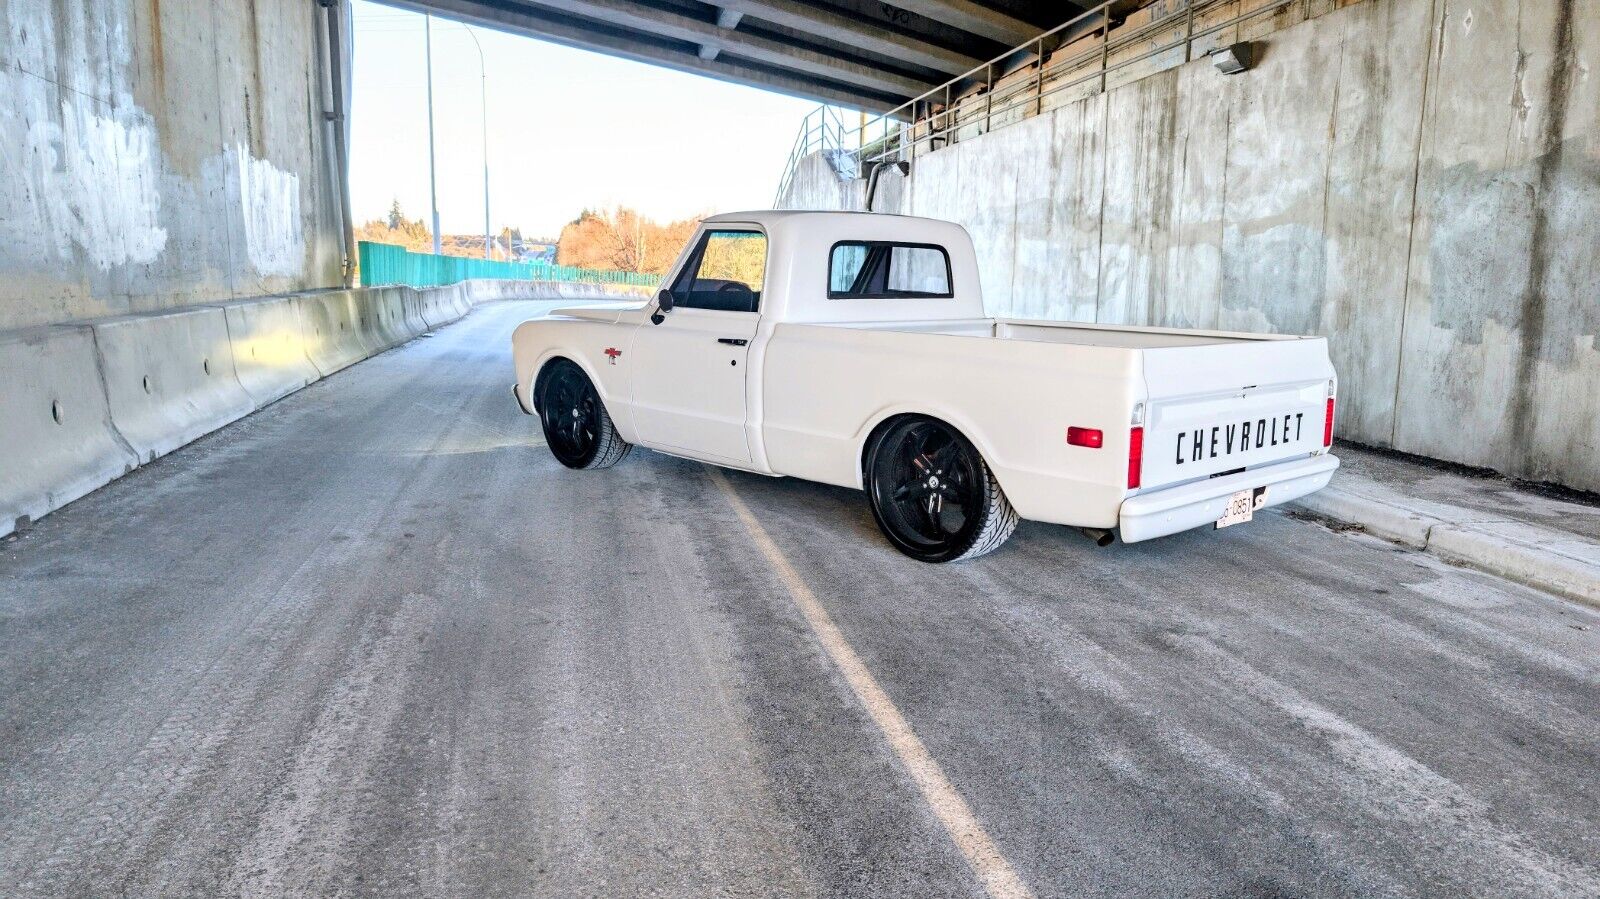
(732, 341)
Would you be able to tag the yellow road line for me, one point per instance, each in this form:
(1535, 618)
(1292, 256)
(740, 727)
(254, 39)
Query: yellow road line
(999, 879)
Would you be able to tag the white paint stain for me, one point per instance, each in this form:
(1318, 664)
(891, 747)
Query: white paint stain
(82, 160)
(269, 199)
(101, 178)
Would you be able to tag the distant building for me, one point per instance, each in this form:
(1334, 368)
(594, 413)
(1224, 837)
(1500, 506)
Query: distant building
(539, 252)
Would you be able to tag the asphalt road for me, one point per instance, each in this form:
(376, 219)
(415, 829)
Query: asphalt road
(374, 640)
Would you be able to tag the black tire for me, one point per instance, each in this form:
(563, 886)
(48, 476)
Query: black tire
(932, 494)
(577, 427)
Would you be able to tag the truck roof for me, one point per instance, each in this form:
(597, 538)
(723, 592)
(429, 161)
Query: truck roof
(771, 215)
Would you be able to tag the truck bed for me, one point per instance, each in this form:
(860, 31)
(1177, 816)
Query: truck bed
(1196, 394)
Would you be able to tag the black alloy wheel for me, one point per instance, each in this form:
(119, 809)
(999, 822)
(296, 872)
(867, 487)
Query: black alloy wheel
(577, 427)
(932, 494)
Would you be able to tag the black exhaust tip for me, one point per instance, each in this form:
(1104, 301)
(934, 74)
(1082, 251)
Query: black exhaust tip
(1101, 537)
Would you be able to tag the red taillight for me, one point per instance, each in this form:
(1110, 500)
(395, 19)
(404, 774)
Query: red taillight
(1135, 456)
(1327, 425)
(1090, 437)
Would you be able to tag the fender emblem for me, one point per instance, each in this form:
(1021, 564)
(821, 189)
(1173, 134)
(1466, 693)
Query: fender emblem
(613, 352)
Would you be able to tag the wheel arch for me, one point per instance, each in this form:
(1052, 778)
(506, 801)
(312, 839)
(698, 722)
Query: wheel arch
(978, 534)
(541, 370)
(887, 417)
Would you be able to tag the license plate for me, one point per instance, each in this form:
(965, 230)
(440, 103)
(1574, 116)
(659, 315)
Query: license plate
(1242, 506)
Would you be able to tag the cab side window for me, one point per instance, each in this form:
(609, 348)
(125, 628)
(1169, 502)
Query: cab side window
(725, 273)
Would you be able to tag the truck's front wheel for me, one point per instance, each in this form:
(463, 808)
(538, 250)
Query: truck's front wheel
(932, 494)
(577, 427)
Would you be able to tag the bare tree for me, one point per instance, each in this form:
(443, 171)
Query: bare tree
(622, 239)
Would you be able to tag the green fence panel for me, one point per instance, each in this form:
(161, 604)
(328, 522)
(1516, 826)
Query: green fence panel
(383, 263)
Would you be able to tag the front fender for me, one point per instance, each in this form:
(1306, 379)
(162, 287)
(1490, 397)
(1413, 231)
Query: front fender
(535, 343)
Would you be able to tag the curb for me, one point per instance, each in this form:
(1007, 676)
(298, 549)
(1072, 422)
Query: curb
(1555, 561)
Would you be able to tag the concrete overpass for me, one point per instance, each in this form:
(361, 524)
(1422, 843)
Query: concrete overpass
(861, 54)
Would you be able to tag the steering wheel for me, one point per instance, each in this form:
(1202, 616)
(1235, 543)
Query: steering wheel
(733, 286)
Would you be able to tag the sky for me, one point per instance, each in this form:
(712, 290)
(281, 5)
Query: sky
(567, 129)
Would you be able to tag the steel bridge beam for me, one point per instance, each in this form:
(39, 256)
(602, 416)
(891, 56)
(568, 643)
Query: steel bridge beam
(781, 54)
(545, 24)
(975, 18)
(825, 23)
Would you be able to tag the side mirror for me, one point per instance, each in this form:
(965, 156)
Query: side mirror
(663, 306)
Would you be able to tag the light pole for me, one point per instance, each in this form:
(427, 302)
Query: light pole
(433, 180)
(483, 106)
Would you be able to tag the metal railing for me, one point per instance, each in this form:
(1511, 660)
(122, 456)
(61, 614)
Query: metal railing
(1084, 52)
(821, 130)
(383, 263)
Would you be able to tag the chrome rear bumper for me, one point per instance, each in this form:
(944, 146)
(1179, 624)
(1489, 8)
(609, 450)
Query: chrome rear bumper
(1175, 509)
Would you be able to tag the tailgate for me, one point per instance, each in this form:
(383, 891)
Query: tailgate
(1225, 407)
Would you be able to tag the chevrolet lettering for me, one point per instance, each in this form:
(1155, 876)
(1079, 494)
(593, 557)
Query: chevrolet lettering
(1225, 440)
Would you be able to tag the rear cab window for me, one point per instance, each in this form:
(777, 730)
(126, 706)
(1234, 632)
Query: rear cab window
(880, 270)
(725, 273)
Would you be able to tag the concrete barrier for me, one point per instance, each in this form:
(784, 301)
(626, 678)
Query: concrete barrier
(85, 404)
(461, 298)
(412, 300)
(485, 290)
(364, 318)
(169, 377)
(439, 305)
(364, 314)
(428, 302)
(269, 348)
(448, 302)
(488, 291)
(458, 300)
(331, 325)
(57, 441)
(388, 306)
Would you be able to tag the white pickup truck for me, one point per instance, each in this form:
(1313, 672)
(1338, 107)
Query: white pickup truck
(853, 349)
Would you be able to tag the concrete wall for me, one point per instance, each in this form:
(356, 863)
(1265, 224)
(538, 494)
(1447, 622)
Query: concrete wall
(157, 153)
(1417, 179)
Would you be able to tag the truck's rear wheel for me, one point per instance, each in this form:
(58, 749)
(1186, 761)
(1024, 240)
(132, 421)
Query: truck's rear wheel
(577, 427)
(932, 494)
